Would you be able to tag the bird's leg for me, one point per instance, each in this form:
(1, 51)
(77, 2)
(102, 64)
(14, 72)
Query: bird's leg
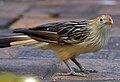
(81, 68)
(72, 72)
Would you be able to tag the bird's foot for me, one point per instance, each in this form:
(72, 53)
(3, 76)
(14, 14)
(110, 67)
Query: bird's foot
(89, 71)
(82, 74)
(84, 70)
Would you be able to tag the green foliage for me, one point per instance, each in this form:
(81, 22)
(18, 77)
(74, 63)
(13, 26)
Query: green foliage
(9, 77)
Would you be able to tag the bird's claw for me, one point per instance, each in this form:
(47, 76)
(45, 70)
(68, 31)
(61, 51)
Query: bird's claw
(82, 74)
(89, 71)
(92, 71)
(84, 70)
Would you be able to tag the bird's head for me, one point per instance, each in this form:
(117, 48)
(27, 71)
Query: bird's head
(103, 20)
(100, 30)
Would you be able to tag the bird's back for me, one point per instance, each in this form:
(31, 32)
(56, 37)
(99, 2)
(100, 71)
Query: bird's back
(69, 39)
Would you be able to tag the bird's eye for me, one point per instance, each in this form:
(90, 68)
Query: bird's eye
(101, 20)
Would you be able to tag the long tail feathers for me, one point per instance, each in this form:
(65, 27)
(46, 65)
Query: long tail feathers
(25, 42)
(15, 40)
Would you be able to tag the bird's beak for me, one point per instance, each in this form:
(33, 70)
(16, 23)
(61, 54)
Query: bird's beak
(110, 21)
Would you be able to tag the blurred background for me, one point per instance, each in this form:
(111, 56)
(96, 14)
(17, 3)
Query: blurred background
(30, 13)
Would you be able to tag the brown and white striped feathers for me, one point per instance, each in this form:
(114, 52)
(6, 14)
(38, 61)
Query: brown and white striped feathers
(93, 32)
(71, 32)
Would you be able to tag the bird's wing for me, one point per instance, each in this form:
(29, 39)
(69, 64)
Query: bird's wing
(60, 32)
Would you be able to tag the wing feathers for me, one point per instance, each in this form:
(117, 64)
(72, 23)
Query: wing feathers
(42, 35)
(64, 32)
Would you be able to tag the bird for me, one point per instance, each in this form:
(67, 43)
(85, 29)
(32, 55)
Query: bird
(69, 39)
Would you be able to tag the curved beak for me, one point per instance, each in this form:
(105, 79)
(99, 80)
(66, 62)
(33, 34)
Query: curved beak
(110, 21)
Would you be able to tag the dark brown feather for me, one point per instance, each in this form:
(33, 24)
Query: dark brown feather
(62, 32)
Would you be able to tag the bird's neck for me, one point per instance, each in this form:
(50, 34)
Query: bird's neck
(99, 37)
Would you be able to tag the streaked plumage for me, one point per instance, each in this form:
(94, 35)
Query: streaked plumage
(72, 38)
(61, 32)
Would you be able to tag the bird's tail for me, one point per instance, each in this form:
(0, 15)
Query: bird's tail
(15, 40)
